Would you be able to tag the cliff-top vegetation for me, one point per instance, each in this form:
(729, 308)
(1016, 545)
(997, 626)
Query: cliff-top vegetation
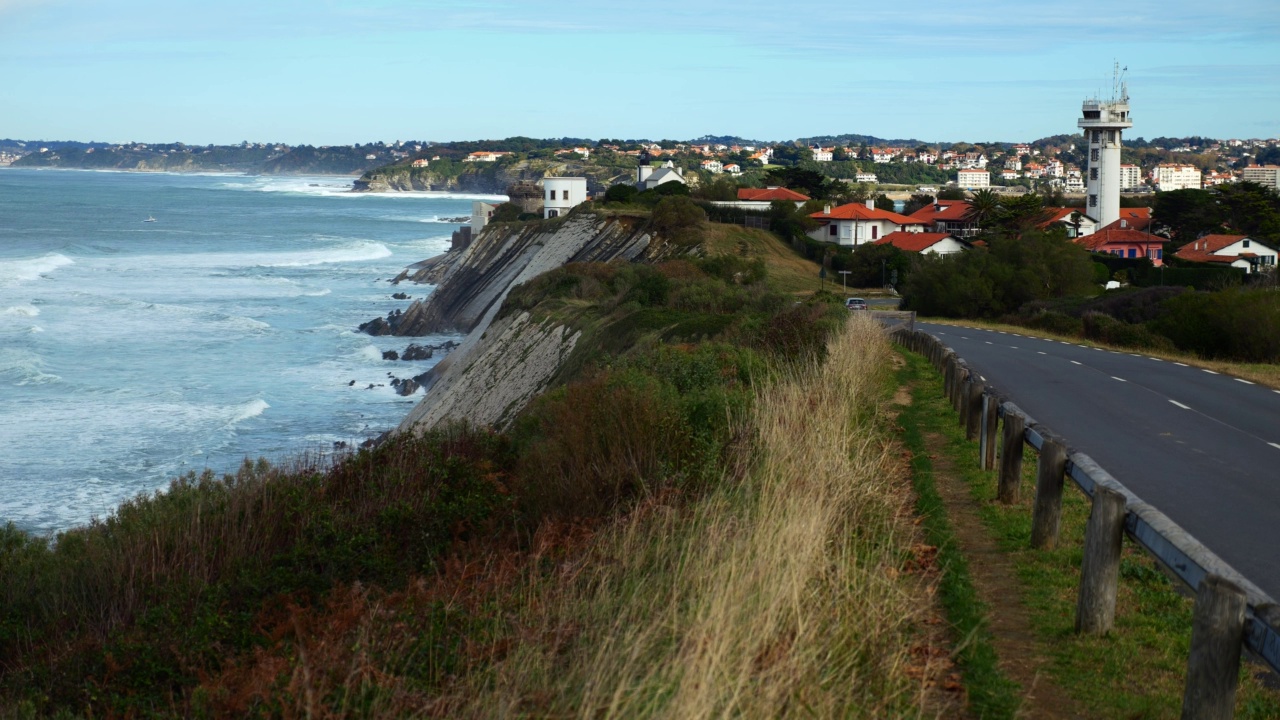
(690, 523)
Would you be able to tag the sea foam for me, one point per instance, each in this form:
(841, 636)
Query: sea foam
(13, 272)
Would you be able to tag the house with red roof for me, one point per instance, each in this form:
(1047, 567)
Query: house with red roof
(858, 224)
(763, 198)
(1132, 219)
(925, 243)
(1239, 251)
(1072, 218)
(949, 216)
(1124, 242)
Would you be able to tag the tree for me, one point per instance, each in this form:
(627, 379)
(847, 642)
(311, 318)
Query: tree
(676, 218)
(983, 207)
(1250, 209)
(506, 212)
(722, 188)
(951, 193)
(621, 193)
(809, 182)
(884, 203)
(915, 202)
(839, 154)
(1187, 214)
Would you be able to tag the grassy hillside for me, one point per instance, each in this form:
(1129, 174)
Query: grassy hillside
(788, 271)
(638, 544)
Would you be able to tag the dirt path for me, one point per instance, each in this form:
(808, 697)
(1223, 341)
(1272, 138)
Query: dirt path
(1022, 656)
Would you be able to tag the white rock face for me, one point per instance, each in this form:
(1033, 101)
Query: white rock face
(494, 374)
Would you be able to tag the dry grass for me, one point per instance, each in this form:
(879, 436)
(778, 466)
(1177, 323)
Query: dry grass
(1262, 373)
(785, 592)
(788, 272)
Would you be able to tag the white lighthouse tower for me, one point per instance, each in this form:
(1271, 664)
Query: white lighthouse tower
(1103, 121)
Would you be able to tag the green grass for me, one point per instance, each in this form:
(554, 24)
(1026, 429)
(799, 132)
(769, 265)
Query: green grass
(991, 693)
(1137, 671)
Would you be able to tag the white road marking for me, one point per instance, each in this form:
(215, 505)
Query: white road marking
(1113, 377)
(1184, 407)
(1073, 362)
(1156, 359)
(1246, 382)
(1015, 347)
(963, 337)
(988, 342)
(984, 379)
(1209, 371)
(1274, 445)
(1180, 364)
(1039, 353)
(1097, 348)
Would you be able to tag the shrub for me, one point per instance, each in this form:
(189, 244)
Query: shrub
(675, 218)
(621, 193)
(1107, 329)
(800, 332)
(1054, 322)
(1235, 324)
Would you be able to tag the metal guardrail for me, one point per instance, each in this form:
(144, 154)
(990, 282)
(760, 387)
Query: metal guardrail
(1185, 556)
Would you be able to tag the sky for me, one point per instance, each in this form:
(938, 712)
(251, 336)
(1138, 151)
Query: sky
(349, 71)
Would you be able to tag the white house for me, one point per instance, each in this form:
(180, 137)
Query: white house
(973, 178)
(480, 213)
(821, 154)
(857, 224)
(925, 243)
(865, 177)
(420, 163)
(561, 194)
(713, 166)
(1009, 174)
(484, 156)
(1268, 175)
(733, 169)
(1239, 251)
(647, 177)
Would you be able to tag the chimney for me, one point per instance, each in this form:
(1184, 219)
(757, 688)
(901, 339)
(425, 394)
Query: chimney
(1124, 223)
(871, 204)
(826, 209)
(937, 207)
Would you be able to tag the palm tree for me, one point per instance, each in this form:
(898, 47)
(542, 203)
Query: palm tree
(983, 206)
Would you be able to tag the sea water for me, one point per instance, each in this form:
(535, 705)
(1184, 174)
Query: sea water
(132, 352)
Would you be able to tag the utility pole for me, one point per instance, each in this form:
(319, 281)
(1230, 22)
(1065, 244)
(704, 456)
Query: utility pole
(844, 277)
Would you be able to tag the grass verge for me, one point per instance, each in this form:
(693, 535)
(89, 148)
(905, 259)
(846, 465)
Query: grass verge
(1138, 670)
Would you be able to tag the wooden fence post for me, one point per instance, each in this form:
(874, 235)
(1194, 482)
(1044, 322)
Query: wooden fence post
(973, 416)
(1217, 633)
(1047, 515)
(957, 387)
(991, 420)
(1100, 570)
(1011, 458)
(962, 398)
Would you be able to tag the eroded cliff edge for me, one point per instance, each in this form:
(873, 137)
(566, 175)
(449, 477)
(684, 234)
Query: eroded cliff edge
(502, 364)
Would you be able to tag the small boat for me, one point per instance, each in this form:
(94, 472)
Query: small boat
(149, 219)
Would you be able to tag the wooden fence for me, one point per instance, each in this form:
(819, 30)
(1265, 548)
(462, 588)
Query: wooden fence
(1231, 612)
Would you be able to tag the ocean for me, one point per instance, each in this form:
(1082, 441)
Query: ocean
(132, 352)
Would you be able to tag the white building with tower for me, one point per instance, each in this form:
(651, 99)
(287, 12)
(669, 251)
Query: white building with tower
(1103, 121)
(561, 194)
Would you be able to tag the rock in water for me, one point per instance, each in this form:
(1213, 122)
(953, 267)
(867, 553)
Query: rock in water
(417, 352)
(392, 354)
(404, 387)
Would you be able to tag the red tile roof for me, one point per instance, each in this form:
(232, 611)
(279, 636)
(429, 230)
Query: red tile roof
(947, 210)
(1129, 223)
(912, 241)
(1206, 249)
(1118, 237)
(859, 211)
(770, 194)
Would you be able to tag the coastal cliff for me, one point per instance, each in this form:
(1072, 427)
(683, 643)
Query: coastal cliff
(483, 177)
(504, 363)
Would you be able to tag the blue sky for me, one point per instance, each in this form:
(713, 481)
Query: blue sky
(342, 71)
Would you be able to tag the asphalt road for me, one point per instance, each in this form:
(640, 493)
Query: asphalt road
(1202, 447)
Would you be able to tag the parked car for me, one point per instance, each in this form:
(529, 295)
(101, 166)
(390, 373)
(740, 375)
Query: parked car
(855, 304)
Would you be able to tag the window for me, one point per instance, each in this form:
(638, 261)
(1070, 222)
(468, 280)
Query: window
(553, 213)
(1160, 253)
(1093, 201)
(1246, 243)
(875, 231)
(831, 229)
(1133, 252)
(1093, 155)
(1093, 173)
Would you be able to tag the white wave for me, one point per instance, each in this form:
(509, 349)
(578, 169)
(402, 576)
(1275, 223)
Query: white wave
(35, 329)
(251, 409)
(370, 353)
(20, 311)
(25, 270)
(357, 253)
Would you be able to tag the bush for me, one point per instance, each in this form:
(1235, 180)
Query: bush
(1234, 324)
(1106, 329)
(675, 218)
(801, 331)
(1054, 322)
